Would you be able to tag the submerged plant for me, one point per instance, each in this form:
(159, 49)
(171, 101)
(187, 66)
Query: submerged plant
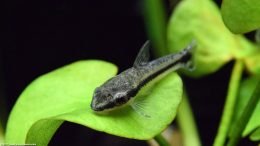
(65, 94)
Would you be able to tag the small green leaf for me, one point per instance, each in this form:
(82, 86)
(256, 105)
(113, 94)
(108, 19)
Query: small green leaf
(66, 93)
(255, 136)
(241, 16)
(246, 90)
(200, 20)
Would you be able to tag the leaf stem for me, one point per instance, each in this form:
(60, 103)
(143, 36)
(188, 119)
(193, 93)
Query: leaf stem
(241, 123)
(161, 140)
(229, 104)
(187, 123)
(1, 134)
(155, 22)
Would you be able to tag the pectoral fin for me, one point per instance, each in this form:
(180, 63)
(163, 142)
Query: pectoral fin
(139, 106)
(143, 55)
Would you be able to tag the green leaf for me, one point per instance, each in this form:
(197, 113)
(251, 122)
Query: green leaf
(246, 91)
(200, 20)
(255, 136)
(66, 93)
(241, 16)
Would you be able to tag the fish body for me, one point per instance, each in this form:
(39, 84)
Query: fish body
(120, 89)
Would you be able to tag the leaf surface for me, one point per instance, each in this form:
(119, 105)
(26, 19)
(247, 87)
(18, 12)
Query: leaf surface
(65, 95)
(246, 90)
(200, 20)
(241, 16)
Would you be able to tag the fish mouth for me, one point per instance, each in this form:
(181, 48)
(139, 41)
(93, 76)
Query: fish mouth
(99, 107)
(94, 107)
(102, 109)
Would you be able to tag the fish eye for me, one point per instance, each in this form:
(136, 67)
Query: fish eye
(109, 96)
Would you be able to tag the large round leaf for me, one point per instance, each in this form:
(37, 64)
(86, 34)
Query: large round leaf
(200, 20)
(246, 90)
(241, 16)
(65, 94)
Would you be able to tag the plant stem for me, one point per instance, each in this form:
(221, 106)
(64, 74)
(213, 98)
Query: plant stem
(241, 123)
(155, 22)
(229, 104)
(187, 124)
(161, 140)
(1, 134)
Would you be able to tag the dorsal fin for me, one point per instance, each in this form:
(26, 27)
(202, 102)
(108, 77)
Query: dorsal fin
(143, 55)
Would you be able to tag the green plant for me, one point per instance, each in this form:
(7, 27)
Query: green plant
(1, 134)
(65, 94)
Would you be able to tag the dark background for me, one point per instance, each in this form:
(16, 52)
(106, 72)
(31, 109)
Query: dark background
(42, 35)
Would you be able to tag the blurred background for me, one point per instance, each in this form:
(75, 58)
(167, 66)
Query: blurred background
(39, 36)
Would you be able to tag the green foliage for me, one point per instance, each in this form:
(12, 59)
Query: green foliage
(186, 122)
(155, 20)
(229, 107)
(241, 16)
(252, 63)
(255, 135)
(1, 134)
(65, 95)
(200, 20)
(64, 91)
(161, 140)
(216, 46)
(246, 91)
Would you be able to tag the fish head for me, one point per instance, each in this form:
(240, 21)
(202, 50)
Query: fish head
(108, 99)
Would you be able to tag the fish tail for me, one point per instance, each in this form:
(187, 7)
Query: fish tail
(187, 58)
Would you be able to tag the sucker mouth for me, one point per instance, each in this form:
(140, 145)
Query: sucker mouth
(96, 109)
(99, 108)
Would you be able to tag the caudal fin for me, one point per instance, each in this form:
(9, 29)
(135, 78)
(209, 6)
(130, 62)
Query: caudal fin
(188, 56)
